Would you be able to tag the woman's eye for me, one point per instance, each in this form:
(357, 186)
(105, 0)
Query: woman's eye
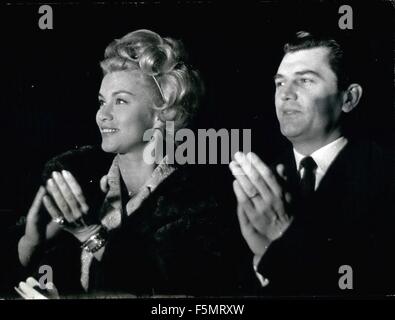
(278, 84)
(101, 103)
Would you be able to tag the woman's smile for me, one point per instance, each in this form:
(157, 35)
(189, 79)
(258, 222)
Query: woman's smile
(108, 131)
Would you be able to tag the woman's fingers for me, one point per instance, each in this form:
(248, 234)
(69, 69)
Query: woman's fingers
(21, 293)
(48, 288)
(31, 289)
(51, 208)
(32, 282)
(67, 195)
(36, 205)
(29, 292)
(76, 190)
(59, 200)
(52, 291)
(104, 184)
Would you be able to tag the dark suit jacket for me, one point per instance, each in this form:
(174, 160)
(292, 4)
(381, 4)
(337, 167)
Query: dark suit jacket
(348, 221)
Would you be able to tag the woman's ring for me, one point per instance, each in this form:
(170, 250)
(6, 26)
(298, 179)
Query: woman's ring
(59, 220)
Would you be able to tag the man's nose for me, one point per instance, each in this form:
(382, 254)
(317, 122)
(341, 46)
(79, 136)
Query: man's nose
(288, 92)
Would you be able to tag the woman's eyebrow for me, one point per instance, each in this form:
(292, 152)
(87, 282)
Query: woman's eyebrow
(122, 91)
(117, 92)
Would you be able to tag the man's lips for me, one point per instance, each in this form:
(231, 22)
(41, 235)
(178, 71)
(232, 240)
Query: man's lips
(290, 112)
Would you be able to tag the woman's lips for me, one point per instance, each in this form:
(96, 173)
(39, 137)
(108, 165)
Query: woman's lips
(108, 130)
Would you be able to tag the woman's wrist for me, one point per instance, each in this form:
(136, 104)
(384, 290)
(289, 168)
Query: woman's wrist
(96, 241)
(27, 248)
(87, 232)
(30, 242)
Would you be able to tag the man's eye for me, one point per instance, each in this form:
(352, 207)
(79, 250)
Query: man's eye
(101, 103)
(305, 81)
(278, 84)
(120, 101)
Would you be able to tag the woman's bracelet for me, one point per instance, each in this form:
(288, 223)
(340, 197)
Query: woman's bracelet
(95, 241)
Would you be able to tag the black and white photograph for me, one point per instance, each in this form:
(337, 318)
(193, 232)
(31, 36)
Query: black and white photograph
(197, 150)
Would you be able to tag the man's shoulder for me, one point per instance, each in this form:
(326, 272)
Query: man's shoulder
(366, 152)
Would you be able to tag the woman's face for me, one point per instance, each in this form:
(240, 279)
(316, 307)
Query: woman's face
(126, 99)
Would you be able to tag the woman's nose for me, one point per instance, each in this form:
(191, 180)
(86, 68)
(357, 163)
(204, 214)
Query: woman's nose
(105, 113)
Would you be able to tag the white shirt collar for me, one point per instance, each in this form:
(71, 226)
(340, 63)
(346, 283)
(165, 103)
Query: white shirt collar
(324, 156)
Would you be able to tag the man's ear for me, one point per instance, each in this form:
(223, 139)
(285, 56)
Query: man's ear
(351, 97)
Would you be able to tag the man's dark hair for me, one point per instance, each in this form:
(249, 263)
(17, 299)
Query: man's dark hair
(337, 58)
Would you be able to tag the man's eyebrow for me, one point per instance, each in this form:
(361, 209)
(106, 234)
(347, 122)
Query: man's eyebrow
(311, 72)
(278, 76)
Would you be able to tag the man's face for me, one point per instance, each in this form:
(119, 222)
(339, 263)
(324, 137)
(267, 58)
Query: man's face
(308, 103)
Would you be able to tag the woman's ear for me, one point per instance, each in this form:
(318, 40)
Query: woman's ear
(158, 123)
(351, 97)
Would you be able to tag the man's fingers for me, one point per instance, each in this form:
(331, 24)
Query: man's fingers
(255, 178)
(241, 196)
(248, 205)
(266, 173)
(281, 171)
(76, 190)
(243, 179)
(243, 220)
(245, 225)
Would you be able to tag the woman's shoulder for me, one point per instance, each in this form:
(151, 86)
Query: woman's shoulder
(88, 164)
(199, 182)
(81, 161)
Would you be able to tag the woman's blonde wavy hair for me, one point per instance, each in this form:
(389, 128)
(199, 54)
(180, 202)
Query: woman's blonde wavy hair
(164, 59)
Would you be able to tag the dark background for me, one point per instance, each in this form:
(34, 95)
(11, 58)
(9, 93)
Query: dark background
(50, 78)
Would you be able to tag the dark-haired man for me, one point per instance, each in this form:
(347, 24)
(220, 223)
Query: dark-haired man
(317, 223)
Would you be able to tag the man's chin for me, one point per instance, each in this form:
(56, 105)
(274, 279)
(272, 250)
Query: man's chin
(290, 133)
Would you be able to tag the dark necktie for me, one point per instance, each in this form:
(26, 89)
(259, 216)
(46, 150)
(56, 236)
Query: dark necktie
(307, 183)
